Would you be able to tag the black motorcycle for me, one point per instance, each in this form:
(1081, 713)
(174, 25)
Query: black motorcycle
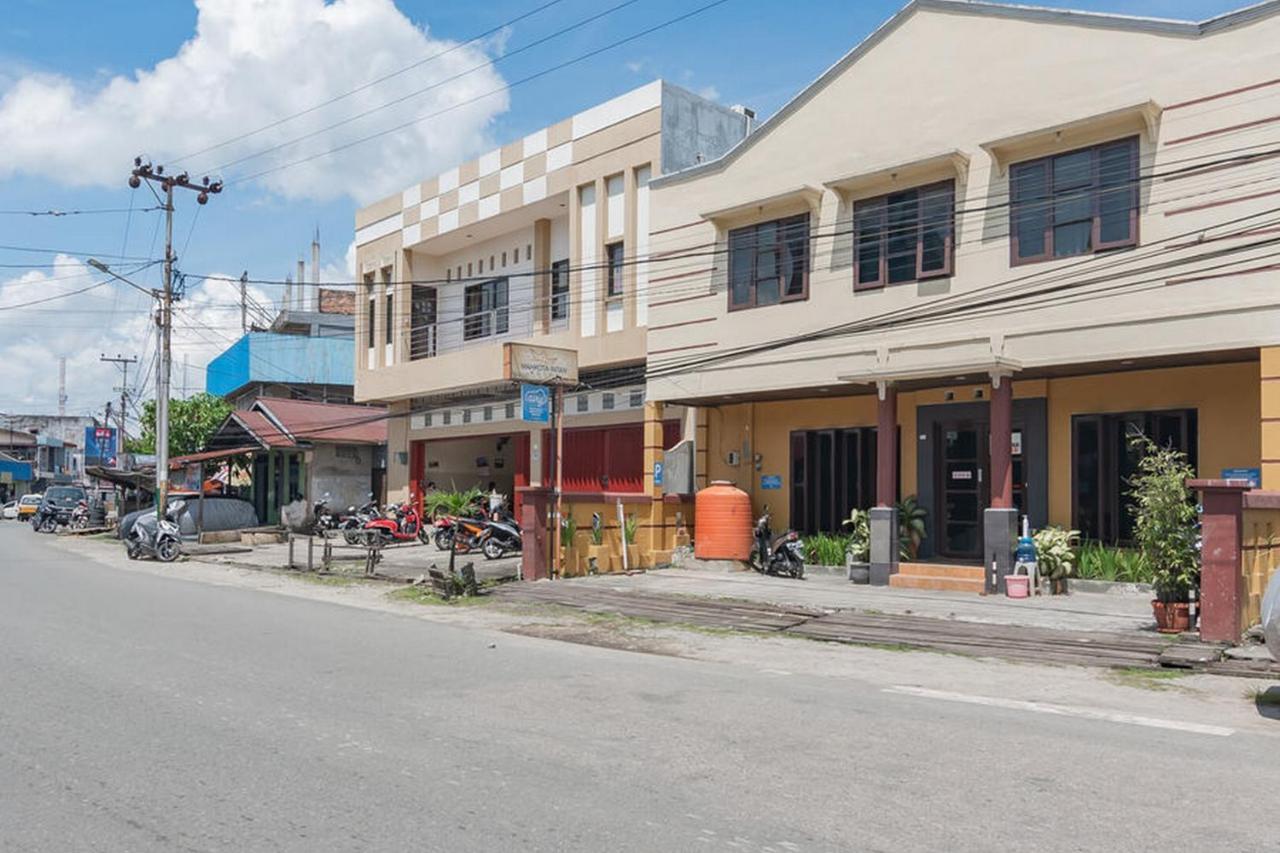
(501, 536)
(324, 519)
(352, 524)
(50, 517)
(781, 556)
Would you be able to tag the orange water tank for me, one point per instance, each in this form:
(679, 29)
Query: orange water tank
(722, 523)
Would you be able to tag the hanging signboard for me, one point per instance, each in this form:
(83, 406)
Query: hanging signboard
(100, 446)
(540, 365)
(535, 403)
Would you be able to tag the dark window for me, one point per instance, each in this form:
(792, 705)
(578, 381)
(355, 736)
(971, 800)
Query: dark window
(613, 252)
(904, 236)
(389, 324)
(769, 262)
(637, 399)
(584, 402)
(560, 290)
(466, 416)
(1074, 203)
(485, 309)
(833, 471)
(488, 413)
(606, 401)
(370, 338)
(1104, 459)
(510, 411)
(504, 259)
(427, 419)
(422, 330)
(446, 417)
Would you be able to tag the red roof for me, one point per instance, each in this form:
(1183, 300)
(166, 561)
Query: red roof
(261, 428)
(319, 422)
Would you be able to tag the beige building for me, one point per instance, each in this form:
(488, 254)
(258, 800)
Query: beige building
(543, 240)
(1006, 237)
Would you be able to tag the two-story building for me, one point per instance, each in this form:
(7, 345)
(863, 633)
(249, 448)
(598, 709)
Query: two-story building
(544, 240)
(973, 259)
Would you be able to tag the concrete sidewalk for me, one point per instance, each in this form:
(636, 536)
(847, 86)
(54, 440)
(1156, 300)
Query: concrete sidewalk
(399, 561)
(1081, 611)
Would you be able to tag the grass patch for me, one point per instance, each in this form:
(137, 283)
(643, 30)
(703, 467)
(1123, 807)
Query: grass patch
(328, 579)
(424, 594)
(1146, 679)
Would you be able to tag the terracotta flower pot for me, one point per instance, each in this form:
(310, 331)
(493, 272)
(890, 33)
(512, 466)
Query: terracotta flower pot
(1171, 617)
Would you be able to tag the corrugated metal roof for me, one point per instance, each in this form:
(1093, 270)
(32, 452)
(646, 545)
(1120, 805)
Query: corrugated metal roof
(323, 422)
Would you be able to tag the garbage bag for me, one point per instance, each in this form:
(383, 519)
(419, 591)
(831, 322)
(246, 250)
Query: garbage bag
(1271, 615)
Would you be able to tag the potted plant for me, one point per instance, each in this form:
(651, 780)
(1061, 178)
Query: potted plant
(630, 526)
(857, 550)
(1056, 555)
(598, 557)
(568, 551)
(910, 527)
(1166, 532)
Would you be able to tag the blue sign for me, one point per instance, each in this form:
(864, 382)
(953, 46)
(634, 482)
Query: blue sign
(657, 473)
(1253, 475)
(535, 403)
(100, 446)
(771, 481)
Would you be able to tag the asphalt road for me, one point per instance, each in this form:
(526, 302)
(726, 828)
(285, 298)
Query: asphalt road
(142, 713)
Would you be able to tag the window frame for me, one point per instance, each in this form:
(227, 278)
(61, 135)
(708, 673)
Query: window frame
(1097, 189)
(615, 285)
(781, 224)
(560, 278)
(491, 327)
(864, 205)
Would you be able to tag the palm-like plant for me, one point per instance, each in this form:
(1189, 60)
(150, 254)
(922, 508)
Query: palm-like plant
(568, 528)
(911, 531)
(451, 503)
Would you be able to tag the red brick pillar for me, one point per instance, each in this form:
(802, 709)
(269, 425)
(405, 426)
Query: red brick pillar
(534, 558)
(1221, 581)
(887, 446)
(1001, 432)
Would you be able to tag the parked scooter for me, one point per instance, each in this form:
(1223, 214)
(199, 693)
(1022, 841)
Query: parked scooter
(80, 516)
(403, 525)
(462, 535)
(781, 556)
(355, 520)
(323, 519)
(50, 517)
(160, 538)
(500, 537)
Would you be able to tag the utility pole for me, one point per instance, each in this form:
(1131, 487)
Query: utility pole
(146, 172)
(124, 392)
(62, 386)
(244, 303)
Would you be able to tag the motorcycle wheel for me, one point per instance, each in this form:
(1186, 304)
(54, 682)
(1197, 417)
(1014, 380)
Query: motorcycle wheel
(756, 559)
(797, 571)
(424, 534)
(168, 550)
(49, 525)
(442, 539)
(352, 537)
(493, 549)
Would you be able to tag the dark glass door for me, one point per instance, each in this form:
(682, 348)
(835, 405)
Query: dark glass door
(963, 488)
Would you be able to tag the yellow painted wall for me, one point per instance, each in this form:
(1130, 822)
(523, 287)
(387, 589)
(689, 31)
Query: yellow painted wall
(1226, 397)
(1270, 394)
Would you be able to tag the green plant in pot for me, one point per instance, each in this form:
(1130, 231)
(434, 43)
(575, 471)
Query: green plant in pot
(911, 530)
(858, 548)
(1165, 530)
(568, 554)
(1056, 554)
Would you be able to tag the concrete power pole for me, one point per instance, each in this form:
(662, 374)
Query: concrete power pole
(314, 300)
(62, 386)
(244, 302)
(145, 172)
(124, 392)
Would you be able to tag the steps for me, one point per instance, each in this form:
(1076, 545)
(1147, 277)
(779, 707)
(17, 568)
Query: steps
(938, 576)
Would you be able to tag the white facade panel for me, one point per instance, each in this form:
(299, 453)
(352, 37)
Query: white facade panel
(430, 208)
(490, 205)
(448, 221)
(643, 174)
(535, 143)
(535, 190)
(619, 109)
(411, 234)
(559, 157)
(616, 216)
(512, 176)
(560, 239)
(381, 228)
(468, 193)
(589, 275)
(411, 196)
(448, 180)
(491, 162)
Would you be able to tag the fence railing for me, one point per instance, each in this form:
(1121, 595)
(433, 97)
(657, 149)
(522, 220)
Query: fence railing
(428, 340)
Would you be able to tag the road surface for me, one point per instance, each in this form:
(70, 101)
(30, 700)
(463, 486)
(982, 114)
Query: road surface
(147, 713)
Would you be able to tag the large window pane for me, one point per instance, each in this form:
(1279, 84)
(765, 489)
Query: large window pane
(935, 228)
(903, 221)
(1072, 239)
(1030, 211)
(869, 226)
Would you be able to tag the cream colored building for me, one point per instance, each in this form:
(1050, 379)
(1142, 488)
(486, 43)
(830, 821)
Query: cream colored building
(1082, 208)
(544, 240)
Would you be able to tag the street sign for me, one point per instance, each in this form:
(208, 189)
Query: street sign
(657, 473)
(535, 403)
(544, 365)
(771, 481)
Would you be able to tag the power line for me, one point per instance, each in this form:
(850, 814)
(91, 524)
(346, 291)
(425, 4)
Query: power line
(527, 79)
(365, 86)
(60, 213)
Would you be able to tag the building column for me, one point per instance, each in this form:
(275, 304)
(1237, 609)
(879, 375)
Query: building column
(652, 538)
(884, 516)
(1270, 357)
(1000, 519)
(1221, 579)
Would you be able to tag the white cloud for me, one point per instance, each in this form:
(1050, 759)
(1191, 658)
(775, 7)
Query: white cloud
(251, 62)
(711, 93)
(111, 318)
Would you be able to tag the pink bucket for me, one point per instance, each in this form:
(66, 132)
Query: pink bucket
(1017, 586)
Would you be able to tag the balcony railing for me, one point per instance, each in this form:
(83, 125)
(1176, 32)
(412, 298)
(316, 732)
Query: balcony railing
(429, 340)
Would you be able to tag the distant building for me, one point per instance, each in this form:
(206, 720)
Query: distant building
(53, 444)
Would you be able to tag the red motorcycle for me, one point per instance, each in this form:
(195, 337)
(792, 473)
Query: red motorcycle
(404, 524)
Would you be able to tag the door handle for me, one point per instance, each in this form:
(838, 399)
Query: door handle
(979, 474)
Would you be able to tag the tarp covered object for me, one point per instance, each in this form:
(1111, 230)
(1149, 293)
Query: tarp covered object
(220, 513)
(1271, 615)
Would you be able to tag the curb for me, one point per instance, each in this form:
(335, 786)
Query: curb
(1108, 587)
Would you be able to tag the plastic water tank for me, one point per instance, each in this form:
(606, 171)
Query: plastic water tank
(722, 523)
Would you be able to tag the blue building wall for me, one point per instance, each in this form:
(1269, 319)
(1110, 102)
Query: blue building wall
(271, 357)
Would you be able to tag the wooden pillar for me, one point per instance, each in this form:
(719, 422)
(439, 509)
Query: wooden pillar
(652, 538)
(1001, 432)
(887, 445)
(272, 514)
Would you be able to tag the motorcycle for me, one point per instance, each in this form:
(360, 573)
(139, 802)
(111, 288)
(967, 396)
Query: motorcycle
(404, 524)
(80, 516)
(323, 519)
(781, 556)
(355, 520)
(462, 535)
(160, 538)
(49, 518)
(500, 537)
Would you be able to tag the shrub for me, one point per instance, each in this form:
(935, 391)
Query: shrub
(825, 549)
(911, 530)
(1166, 528)
(568, 528)
(629, 527)
(1100, 562)
(858, 549)
(451, 502)
(1056, 552)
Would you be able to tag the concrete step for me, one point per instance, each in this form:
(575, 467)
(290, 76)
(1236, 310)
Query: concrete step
(941, 570)
(936, 582)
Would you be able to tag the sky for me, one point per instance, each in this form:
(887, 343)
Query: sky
(260, 92)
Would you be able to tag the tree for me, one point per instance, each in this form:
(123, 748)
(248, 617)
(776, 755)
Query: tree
(191, 423)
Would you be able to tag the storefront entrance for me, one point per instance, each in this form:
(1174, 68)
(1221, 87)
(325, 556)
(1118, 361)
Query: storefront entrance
(963, 488)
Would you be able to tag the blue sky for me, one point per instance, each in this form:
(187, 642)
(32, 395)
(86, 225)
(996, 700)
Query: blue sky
(744, 51)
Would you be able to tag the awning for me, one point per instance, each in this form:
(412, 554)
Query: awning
(210, 455)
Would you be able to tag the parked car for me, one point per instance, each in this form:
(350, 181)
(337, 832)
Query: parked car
(10, 511)
(28, 505)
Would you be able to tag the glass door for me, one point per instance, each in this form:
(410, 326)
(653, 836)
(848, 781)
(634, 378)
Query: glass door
(963, 488)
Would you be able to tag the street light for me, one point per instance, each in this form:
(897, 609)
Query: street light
(101, 267)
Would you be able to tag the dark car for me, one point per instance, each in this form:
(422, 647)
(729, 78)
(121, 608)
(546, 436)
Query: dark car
(58, 501)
